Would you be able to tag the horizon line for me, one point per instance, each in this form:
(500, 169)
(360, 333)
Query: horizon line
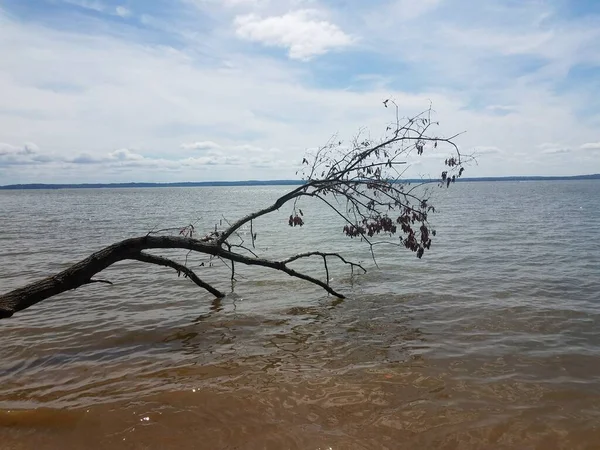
(272, 182)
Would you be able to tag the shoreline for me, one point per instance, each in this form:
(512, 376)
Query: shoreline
(40, 186)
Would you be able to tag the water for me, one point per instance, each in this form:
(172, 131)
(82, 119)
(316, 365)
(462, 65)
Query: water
(492, 340)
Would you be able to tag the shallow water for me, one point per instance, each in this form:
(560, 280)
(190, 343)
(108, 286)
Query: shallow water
(492, 340)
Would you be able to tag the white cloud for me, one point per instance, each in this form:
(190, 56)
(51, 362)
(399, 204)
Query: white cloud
(99, 6)
(94, 5)
(487, 150)
(117, 157)
(30, 148)
(233, 3)
(125, 154)
(591, 146)
(302, 32)
(7, 149)
(553, 148)
(549, 145)
(227, 3)
(402, 10)
(122, 11)
(201, 145)
(27, 155)
(127, 161)
(500, 109)
(249, 148)
(556, 150)
(502, 42)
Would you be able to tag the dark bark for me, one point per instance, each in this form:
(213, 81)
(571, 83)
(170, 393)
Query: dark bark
(82, 272)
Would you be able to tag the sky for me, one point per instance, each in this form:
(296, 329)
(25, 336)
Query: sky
(203, 90)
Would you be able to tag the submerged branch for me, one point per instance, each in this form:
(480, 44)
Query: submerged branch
(81, 273)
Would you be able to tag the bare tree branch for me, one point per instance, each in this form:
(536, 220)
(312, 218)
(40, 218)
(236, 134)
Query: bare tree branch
(359, 182)
(299, 191)
(159, 260)
(324, 255)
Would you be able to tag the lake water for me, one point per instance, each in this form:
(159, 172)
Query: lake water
(491, 341)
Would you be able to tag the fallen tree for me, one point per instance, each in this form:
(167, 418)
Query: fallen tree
(361, 182)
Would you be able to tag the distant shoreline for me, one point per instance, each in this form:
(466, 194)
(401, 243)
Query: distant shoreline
(264, 183)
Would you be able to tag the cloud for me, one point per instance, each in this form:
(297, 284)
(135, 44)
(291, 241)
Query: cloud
(94, 5)
(201, 145)
(501, 42)
(28, 154)
(250, 148)
(301, 32)
(7, 149)
(244, 157)
(122, 155)
(125, 154)
(227, 3)
(403, 10)
(557, 151)
(85, 158)
(122, 11)
(101, 7)
(487, 150)
(500, 109)
(234, 3)
(30, 148)
(549, 145)
(591, 146)
(554, 148)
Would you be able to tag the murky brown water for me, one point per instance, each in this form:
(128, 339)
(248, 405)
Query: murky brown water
(496, 346)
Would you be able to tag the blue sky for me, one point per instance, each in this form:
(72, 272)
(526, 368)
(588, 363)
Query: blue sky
(191, 90)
